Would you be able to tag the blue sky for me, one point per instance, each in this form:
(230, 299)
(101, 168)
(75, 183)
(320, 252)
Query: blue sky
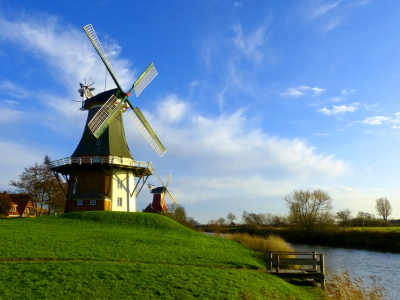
(253, 98)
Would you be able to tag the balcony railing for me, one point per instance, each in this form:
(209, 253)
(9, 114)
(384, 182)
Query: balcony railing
(107, 160)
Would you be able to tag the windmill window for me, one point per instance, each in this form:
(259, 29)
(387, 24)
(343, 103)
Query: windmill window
(119, 201)
(93, 202)
(98, 142)
(74, 188)
(79, 202)
(119, 183)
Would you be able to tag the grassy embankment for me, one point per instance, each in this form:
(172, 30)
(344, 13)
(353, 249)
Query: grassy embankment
(111, 255)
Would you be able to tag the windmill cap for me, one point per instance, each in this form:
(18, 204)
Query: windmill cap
(158, 190)
(99, 99)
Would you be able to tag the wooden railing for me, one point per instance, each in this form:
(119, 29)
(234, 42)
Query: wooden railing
(291, 265)
(114, 160)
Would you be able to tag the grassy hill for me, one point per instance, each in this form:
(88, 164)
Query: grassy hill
(115, 255)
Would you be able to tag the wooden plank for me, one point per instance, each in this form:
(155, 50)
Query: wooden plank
(298, 261)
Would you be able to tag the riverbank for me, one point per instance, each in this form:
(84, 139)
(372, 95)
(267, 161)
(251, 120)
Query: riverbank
(388, 241)
(116, 255)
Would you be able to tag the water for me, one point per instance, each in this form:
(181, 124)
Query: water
(361, 263)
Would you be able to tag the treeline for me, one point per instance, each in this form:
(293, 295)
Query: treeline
(310, 220)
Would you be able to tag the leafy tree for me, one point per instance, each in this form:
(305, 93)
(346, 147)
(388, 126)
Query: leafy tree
(231, 217)
(40, 183)
(307, 209)
(344, 217)
(5, 203)
(383, 208)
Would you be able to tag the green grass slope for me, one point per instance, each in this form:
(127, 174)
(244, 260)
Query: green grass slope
(116, 255)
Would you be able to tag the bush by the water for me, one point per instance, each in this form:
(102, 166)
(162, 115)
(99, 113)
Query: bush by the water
(343, 287)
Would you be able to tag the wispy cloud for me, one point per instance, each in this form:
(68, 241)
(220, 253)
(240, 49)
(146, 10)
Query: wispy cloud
(302, 90)
(323, 9)
(339, 109)
(251, 45)
(376, 120)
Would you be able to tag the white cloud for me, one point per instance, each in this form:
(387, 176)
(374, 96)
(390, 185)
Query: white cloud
(44, 38)
(323, 9)
(333, 23)
(347, 92)
(301, 91)
(250, 46)
(13, 89)
(227, 146)
(339, 109)
(376, 120)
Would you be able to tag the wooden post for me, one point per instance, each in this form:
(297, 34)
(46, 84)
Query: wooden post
(322, 266)
(269, 260)
(314, 256)
(277, 262)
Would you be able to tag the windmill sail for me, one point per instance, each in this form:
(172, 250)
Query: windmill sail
(113, 106)
(99, 123)
(97, 45)
(147, 132)
(144, 79)
(165, 186)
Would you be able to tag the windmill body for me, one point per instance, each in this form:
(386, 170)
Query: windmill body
(101, 173)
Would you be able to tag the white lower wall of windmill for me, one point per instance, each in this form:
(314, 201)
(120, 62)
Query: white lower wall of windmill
(122, 186)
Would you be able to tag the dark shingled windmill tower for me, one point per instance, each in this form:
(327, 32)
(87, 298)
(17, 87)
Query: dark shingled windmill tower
(101, 173)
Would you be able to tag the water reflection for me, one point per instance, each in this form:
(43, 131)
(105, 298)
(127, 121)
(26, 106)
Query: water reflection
(361, 263)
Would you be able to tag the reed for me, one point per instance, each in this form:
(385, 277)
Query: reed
(344, 287)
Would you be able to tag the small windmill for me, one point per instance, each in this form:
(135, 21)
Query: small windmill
(158, 205)
(86, 92)
(120, 102)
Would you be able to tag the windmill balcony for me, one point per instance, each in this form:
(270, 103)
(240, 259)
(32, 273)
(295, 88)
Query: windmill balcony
(102, 160)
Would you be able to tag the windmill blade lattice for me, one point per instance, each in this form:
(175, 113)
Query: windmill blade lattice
(144, 79)
(99, 123)
(147, 132)
(99, 48)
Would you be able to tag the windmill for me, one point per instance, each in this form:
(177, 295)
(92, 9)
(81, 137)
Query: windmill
(102, 173)
(120, 101)
(158, 204)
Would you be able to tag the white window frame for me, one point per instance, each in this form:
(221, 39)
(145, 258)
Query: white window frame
(93, 202)
(119, 201)
(79, 202)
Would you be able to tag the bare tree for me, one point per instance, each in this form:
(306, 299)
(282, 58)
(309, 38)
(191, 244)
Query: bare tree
(383, 208)
(231, 217)
(41, 184)
(309, 209)
(344, 217)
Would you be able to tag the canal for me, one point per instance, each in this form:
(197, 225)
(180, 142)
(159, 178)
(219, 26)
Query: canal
(361, 263)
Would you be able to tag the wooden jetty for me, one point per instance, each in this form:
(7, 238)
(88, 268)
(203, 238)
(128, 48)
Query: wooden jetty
(301, 265)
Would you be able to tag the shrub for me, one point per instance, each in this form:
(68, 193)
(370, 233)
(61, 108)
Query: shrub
(263, 245)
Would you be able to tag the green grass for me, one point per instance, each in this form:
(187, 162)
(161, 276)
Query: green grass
(376, 229)
(114, 255)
